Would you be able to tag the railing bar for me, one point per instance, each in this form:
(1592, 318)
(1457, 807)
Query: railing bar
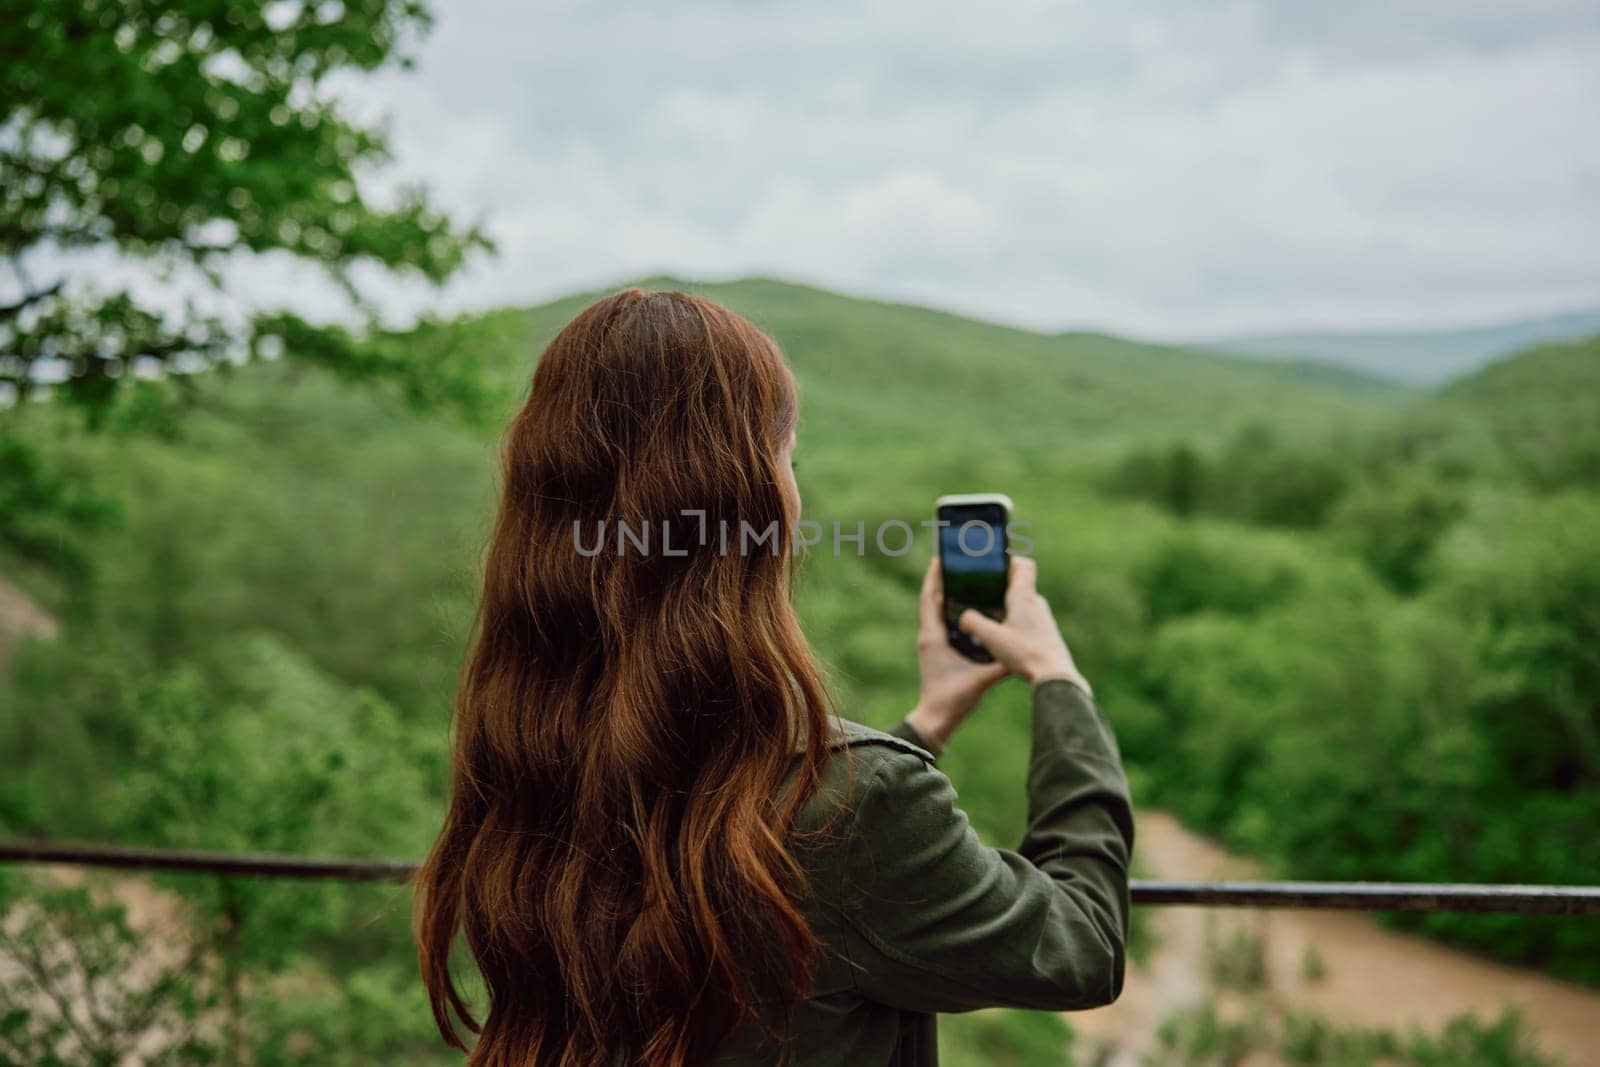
(1359, 896)
(204, 862)
(1375, 896)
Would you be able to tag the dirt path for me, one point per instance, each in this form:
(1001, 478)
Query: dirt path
(1370, 976)
(19, 617)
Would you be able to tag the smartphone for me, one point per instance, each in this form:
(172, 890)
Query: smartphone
(974, 562)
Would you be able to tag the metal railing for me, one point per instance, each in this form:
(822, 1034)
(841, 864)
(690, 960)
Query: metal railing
(1349, 896)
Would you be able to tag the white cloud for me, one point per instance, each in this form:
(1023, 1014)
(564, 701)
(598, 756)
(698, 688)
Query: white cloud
(1162, 168)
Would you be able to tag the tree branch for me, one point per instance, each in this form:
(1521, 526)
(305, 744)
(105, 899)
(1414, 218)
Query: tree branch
(32, 959)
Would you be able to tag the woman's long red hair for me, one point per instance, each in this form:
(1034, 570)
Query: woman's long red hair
(615, 848)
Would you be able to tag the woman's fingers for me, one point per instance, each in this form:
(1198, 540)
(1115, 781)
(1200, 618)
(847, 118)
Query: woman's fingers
(928, 603)
(976, 624)
(1024, 577)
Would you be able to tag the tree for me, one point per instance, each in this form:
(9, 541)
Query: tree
(188, 135)
(82, 984)
(249, 748)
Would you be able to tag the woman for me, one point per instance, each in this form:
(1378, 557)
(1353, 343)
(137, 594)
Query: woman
(662, 847)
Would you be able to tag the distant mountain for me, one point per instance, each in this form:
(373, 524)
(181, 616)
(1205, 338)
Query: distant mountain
(1417, 357)
(902, 376)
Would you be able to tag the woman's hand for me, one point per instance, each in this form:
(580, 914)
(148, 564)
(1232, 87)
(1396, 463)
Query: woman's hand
(1029, 643)
(952, 684)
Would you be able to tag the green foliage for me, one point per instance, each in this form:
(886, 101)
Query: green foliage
(1383, 669)
(79, 984)
(1529, 575)
(45, 514)
(1212, 571)
(344, 1015)
(432, 366)
(1238, 960)
(191, 136)
(1173, 477)
(1309, 1041)
(1001, 1038)
(258, 751)
(1244, 1018)
(1313, 968)
(1307, 716)
(1525, 577)
(1354, 736)
(1541, 410)
(1200, 1037)
(1262, 480)
(1395, 523)
(1255, 477)
(1205, 1036)
(1466, 1042)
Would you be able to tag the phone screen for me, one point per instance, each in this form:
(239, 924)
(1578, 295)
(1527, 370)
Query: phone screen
(974, 560)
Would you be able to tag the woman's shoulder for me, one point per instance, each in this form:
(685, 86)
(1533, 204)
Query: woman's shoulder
(861, 759)
(873, 744)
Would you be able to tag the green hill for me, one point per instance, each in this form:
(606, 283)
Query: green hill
(933, 399)
(881, 371)
(1532, 418)
(1543, 409)
(1421, 357)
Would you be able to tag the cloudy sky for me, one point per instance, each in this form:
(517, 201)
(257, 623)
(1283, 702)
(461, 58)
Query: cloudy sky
(1168, 169)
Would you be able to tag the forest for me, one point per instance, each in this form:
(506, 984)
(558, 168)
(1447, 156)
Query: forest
(1347, 627)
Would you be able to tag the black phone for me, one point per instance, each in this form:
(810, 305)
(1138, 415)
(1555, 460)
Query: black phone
(974, 562)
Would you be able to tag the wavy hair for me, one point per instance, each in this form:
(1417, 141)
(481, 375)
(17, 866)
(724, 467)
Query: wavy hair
(636, 726)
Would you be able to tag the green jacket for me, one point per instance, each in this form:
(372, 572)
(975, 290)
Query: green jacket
(916, 916)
